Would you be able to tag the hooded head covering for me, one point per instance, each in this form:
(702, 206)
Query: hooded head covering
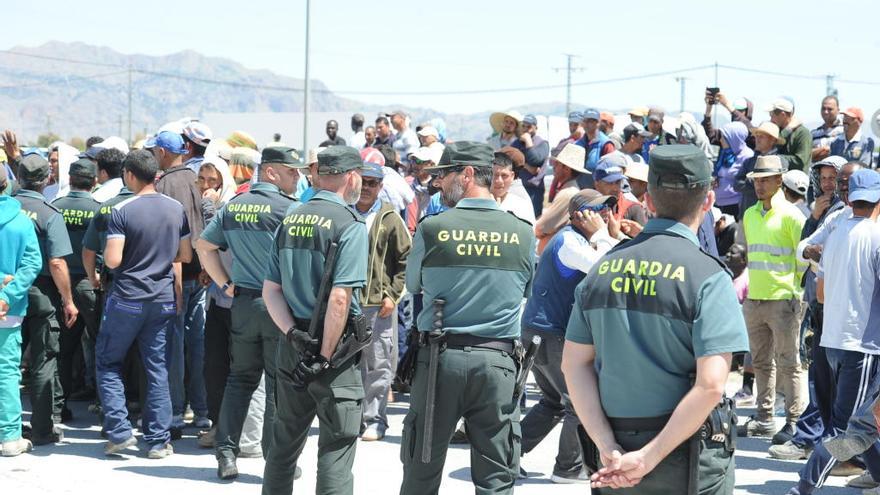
(227, 190)
(729, 162)
(67, 154)
(693, 133)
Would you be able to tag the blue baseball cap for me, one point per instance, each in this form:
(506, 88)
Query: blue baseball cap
(864, 185)
(171, 142)
(591, 113)
(609, 171)
(373, 170)
(575, 117)
(530, 120)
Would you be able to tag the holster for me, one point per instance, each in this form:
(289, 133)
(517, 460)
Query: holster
(354, 339)
(407, 365)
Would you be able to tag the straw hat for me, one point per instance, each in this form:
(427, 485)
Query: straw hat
(770, 129)
(573, 156)
(496, 120)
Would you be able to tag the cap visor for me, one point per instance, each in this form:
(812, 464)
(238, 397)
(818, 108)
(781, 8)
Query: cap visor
(871, 196)
(758, 175)
(150, 143)
(612, 178)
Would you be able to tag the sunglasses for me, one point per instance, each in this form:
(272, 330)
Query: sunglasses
(371, 182)
(594, 208)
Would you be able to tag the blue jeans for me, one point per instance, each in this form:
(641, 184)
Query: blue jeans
(188, 353)
(10, 377)
(855, 380)
(123, 323)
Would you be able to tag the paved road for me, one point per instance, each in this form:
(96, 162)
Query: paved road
(78, 466)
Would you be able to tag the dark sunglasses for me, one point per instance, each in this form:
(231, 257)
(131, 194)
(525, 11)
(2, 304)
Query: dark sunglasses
(371, 182)
(594, 208)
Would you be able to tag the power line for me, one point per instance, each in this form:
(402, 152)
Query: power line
(770, 72)
(62, 80)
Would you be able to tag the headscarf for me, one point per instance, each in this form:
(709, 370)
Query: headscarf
(735, 133)
(227, 190)
(67, 154)
(693, 133)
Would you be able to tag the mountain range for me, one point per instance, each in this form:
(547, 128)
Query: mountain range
(80, 90)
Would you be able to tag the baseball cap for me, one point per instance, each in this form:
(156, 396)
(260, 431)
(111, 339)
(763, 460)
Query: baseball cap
(855, 112)
(575, 117)
(167, 140)
(515, 155)
(741, 104)
(767, 166)
(864, 185)
(113, 142)
(589, 197)
(639, 111)
(428, 154)
(637, 171)
(198, 133)
(429, 130)
(33, 167)
(83, 168)
(591, 114)
(462, 153)
(797, 181)
(285, 155)
(373, 155)
(373, 170)
(678, 166)
(634, 129)
(530, 119)
(783, 104)
(608, 171)
(339, 160)
(656, 113)
(832, 161)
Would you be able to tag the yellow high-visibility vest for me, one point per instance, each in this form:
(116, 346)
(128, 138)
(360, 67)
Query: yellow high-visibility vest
(772, 238)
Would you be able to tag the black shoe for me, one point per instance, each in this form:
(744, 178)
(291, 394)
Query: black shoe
(785, 434)
(176, 433)
(66, 415)
(460, 436)
(297, 473)
(226, 468)
(56, 436)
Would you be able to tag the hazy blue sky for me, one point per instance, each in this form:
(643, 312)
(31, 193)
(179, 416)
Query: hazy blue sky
(405, 46)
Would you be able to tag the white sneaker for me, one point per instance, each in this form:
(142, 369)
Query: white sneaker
(17, 447)
(863, 480)
(373, 433)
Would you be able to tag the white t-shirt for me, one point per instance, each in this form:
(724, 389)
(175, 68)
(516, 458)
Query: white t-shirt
(519, 206)
(108, 190)
(850, 266)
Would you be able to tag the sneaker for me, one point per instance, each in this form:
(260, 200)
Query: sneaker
(864, 481)
(565, 478)
(252, 453)
(871, 491)
(207, 438)
(744, 397)
(846, 446)
(188, 415)
(460, 435)
(755, 428)
(201, 422)
(13, 448)
(373, 432)
(523, 474)
(160, 451)
(226, 468)
(56, 436)
(846, 468)
(111, 448)
(785, 434)
(789, 451)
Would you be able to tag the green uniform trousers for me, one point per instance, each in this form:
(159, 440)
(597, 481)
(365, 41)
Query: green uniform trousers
(71, 339)
(716, 474)
(336, 398)
(476, 384)
(42, 328)
(253, 345)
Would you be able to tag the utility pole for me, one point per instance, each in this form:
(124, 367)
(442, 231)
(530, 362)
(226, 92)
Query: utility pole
(120, 125)
(129, 107)
(830, 90)
(307, 90)
(681, 81)
(715, 107)
(568, 70)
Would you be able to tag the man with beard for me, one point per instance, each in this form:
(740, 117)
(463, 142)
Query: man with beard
(473, 265)
(311, 380)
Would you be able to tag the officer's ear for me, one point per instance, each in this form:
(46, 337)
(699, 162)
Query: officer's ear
(709, 202)
(649, 202)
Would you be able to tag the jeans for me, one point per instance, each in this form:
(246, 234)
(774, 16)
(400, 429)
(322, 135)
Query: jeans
(10, 376)
(148, 323)
(188, 353)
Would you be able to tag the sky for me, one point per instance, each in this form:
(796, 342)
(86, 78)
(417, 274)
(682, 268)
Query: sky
(397, 47)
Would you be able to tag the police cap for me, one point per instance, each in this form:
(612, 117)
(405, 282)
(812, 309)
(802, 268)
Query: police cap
(339, 160)
(84, 167)
(463, 153)
(284, 155)
(33, 168)
(679, 166)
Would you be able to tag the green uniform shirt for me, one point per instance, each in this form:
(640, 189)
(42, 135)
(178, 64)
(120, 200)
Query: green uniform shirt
(95, 237)
(51, 232)
(479, 259)
(296, 260)
(650, 308)
(246, 225)
(78, 209)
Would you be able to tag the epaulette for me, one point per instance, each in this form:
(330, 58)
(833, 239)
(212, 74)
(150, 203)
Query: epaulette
(530, 224)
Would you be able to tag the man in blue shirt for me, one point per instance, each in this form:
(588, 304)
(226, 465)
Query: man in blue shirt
(144, 238)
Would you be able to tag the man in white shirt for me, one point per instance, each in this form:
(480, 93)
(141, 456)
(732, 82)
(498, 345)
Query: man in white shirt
(504, 177)
(406, 140)
(109, 174)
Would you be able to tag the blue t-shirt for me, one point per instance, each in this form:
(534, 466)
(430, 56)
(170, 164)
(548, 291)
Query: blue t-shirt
(153, 226)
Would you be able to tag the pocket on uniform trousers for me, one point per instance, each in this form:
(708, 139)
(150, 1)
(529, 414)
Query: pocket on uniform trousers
(408, 438)
(515, 439)
(345, 412)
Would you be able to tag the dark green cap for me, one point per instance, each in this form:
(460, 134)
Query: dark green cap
(33, 168)
(679, 166)
(339, 160)
(463, 153)
(284, 155)
(84, 168)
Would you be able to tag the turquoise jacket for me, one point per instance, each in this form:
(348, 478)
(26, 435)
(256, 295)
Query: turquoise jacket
(19, 257)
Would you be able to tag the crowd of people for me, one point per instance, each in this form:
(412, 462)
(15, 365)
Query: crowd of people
(192, 281)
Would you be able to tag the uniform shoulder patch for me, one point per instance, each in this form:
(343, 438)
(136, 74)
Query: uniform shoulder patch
(50, 205)
(521, 219)
(720, 262)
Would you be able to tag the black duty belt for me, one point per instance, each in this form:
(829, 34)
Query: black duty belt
(461, 340)
(244, 291)
(639, 424)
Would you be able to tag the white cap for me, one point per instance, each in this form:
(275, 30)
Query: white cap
(428, 153)
(113, 142)
(783, 104)
(797, 181)
(198, 133)
(429, 130)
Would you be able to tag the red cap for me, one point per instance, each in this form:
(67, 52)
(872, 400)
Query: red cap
(855, 112)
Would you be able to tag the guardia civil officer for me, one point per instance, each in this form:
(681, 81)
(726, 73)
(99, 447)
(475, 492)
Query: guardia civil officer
(51, 290)
(649, 342)
(78, 208)
(315, 376)
(473, 264)
(246, 226)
